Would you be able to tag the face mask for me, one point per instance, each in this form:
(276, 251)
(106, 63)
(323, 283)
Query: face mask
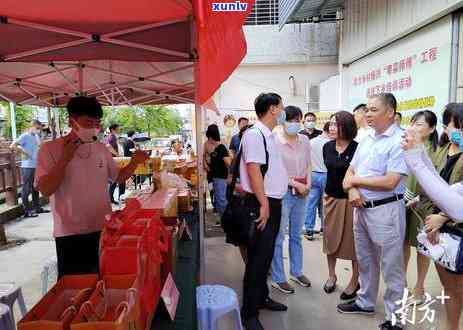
(281, 118)
(455, 138)
(292, 128)
(86, 135)
(309, 124)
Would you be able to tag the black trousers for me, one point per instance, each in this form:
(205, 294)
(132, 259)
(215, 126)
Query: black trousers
(78, 254)
(28, 188)
(260, 254)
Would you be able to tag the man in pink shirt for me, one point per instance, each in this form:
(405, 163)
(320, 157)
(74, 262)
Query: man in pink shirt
(73, 171)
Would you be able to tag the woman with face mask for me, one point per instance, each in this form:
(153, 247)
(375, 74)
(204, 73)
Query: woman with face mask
(445, 189)
(295, 149)
(338, 232)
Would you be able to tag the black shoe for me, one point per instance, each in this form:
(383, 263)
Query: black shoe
(274, 306)
(330, 286)
(114, 202)
(388, 326)
(252, 324)
(353, 308)
(42, 210)
(309, 235)
(30, 214)
(353, 295)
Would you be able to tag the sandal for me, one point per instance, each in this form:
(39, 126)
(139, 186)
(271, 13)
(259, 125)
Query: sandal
(330, 285)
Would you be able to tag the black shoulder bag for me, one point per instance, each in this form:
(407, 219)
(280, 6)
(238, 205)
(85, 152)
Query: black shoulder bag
(238, 218)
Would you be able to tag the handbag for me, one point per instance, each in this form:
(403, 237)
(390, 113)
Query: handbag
(238, 218)
(448, 252)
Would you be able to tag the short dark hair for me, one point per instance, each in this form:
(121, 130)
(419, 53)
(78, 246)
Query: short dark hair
(326, 127)
(113, 127)
(312, 114)
(360, 106)
(293, 112)
(264, 101)
(242, 119)
(388, 99)
(347, 127)
(453, 111)
(213, 132)
(431, 119)
(130, 133)
(84, 106)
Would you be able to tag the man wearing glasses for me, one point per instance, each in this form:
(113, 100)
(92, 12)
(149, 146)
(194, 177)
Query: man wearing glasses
(375, 182)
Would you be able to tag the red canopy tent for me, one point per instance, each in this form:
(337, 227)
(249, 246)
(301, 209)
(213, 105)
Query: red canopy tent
(122, 52)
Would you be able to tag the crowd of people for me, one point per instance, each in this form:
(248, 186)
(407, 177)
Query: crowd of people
(375, 187)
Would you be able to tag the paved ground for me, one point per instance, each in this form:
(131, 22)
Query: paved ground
(309, 308)
(23, 263)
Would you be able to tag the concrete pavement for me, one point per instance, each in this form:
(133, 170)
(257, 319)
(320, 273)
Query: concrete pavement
(309, 308)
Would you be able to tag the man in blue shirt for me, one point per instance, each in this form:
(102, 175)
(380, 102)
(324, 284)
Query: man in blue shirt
(28, 146)
(235, 141)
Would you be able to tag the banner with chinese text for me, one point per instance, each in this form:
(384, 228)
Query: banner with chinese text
(416, 69)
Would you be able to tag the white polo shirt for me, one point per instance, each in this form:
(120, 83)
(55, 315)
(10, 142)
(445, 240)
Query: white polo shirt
(377, 155)
(253, 151)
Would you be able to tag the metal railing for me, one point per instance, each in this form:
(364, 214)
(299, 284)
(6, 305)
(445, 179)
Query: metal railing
(10, 177)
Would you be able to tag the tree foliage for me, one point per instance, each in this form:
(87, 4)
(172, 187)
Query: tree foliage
(24, 115)
(154, 120)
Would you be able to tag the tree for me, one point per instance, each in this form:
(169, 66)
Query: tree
(24, 116)
(161, 120)
(154, 120)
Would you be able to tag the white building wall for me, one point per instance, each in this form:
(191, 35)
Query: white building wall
(306, 52)
(372, 24)
(294, 44)
(330, 95)
(248, 81)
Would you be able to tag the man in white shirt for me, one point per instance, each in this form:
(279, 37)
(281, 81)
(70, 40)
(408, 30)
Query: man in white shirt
(376, 184)
(264, 179)
(318, 183)
(362, 126)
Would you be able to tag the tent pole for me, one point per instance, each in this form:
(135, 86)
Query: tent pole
(201, 189)
(199, 117)
(13, 120)
(57, 123)
(81, 79)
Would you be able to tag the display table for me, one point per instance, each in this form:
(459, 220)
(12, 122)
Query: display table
(186, 278)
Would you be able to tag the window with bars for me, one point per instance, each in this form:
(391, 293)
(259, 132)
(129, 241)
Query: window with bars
(264, 12)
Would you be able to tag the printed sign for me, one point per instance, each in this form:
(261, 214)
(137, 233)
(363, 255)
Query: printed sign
(416, 69)
(170, 296)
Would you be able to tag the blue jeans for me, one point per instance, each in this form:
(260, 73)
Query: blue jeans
(292, 214)
(220, 195)
(315, 200)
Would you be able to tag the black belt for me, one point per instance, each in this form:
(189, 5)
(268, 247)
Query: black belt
(379, 202)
